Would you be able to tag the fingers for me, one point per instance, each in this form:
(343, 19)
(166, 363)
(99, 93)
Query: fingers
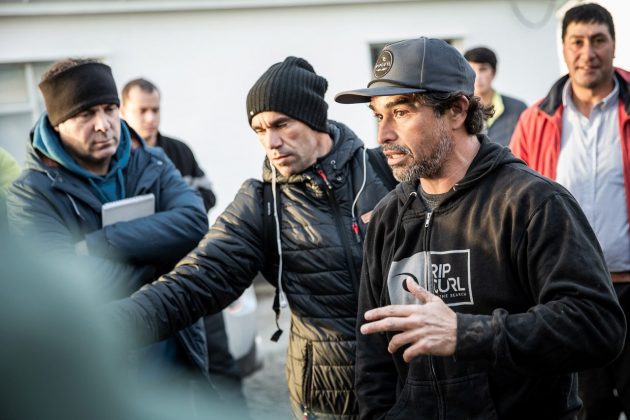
(420, 343)
(389, 311)
(415, 350)
(425, 338)
(381, 325)
(420, 293)
(402, 310)
(403, 338)
(394, 317)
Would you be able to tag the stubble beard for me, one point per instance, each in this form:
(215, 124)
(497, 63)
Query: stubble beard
(596, 81)
(430, 165)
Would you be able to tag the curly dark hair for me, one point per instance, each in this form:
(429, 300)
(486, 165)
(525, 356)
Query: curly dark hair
(443, 101)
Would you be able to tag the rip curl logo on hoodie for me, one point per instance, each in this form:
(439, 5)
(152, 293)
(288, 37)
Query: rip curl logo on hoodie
(445, 274)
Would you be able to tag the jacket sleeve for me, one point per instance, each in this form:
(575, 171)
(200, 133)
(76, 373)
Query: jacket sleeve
(163, 238)
(35, 220)
(375, 374)
(207, 195)
(577, 323)
(518, 142)
(211, 277)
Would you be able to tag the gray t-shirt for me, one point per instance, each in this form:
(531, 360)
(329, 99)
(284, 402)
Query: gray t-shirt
(431, 201)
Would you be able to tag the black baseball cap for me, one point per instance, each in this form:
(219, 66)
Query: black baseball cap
(414, 66)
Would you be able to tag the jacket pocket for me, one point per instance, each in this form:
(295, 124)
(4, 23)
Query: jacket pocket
(416, 400)
(466, 397)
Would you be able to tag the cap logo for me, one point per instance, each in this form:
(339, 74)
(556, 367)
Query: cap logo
(384, 64)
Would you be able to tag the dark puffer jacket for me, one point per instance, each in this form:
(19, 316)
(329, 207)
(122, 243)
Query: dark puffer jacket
(321, 267)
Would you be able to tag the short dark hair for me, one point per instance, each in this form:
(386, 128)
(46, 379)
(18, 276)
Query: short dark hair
(63, 65)
(143, 84)
(482, 55)
(588, 13)
(441, 102)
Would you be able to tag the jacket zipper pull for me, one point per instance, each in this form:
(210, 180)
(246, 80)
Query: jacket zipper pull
(426, 223)
(355, 229)
(323, 176)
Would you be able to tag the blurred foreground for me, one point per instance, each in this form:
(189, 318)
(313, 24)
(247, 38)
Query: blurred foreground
(59, 359)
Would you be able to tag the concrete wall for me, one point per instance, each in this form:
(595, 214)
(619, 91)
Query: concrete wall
(204, 61)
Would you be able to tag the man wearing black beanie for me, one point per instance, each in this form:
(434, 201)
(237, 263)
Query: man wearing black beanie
(81, 157)
(303, 227)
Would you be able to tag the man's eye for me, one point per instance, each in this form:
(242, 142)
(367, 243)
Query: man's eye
(399, 113)
(378, 117)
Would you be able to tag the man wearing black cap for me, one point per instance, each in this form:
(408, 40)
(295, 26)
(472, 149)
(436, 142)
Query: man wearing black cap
(81, 157)
(302, 226)
(483, 287)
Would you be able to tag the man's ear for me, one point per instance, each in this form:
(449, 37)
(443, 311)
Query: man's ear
(459, 111)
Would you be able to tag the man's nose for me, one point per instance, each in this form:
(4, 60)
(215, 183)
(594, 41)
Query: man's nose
(385, 133)
(102, 122)
(151, 116)
(272, 139)
(589, 50)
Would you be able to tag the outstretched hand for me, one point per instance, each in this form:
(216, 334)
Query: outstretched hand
(429, 329)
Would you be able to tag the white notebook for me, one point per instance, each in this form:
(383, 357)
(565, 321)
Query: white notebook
(128, 209)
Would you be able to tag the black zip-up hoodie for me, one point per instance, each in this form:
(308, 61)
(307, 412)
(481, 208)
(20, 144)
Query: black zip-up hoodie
(511, 252)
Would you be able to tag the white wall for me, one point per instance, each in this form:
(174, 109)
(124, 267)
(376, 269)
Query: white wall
(205, 61)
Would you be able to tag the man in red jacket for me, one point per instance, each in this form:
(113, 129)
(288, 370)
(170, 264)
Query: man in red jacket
(579, 135)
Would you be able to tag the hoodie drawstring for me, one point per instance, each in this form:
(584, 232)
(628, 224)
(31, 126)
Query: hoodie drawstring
(281, 296)
(355, 223)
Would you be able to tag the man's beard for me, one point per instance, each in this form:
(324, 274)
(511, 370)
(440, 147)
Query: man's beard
(430, 164)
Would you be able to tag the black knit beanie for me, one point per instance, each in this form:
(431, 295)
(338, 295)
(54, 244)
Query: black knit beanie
(292, 88)
(76, 89)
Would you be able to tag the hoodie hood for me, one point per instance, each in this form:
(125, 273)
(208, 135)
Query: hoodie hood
(345, 144)
(109, 187)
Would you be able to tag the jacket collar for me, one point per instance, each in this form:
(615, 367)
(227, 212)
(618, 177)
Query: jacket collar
(72, 184)
(553, 100)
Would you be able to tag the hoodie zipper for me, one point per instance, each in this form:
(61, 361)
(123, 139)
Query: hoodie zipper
(428, 276)
(342, 231)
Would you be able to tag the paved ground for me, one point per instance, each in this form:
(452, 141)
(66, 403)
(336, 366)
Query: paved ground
(266, 390)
